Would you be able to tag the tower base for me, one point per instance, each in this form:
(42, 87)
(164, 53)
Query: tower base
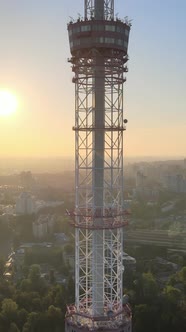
(127, 327)
(79, 321)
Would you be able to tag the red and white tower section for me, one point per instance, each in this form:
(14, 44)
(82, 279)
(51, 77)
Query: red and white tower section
(98, 45)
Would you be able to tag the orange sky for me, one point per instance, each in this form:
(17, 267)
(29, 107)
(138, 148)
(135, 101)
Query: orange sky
(33, 65)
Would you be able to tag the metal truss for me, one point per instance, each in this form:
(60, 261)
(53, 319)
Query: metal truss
(90, 6)
(99, 227)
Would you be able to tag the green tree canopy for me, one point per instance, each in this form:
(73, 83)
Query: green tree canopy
(13, 328)
(9, 308)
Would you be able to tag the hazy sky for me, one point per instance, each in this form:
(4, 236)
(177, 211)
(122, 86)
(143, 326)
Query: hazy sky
(33, 64)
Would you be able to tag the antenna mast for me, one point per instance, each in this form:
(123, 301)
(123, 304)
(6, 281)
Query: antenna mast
(99, 46)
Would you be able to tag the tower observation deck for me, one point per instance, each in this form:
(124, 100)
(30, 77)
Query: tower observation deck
(98, 45)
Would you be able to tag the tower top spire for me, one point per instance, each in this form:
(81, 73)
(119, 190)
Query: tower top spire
(99, 9)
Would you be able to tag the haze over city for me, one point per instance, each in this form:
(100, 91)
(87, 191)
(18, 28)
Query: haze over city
(92, 231)
(34, 68)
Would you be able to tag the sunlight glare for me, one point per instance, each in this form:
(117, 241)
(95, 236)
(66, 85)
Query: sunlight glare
(8, 103)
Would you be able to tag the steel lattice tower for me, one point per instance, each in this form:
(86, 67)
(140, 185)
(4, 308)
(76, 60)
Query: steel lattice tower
(98, 45)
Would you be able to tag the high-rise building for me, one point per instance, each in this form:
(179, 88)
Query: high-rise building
(98, 45)
(25, 204)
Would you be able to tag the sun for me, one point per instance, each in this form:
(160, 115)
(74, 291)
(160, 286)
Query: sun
(8, 103)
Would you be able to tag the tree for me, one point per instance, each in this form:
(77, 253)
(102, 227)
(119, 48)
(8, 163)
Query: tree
(34, 273)
(22, 316)
(145, 318)
(150, 288)
(31, 323)
(172, 311)
(9, 309)
(3, 323)
(69, 249)
(182, 275)
(37, 283)
(36, 304)
(172, 294)
(6, 289)
(146, 288)
(26, 285)
(55, 318)
(13, 328)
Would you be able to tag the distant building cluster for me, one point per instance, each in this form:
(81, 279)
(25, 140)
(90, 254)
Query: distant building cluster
(149, 178)
(47, 204)
(27, 205)
(143, 187)
(175, 183)
(43, 226)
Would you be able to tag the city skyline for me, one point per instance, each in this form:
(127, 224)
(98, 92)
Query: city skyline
(33, 66)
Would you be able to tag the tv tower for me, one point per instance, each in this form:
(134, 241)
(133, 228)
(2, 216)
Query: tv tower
(98, 45)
